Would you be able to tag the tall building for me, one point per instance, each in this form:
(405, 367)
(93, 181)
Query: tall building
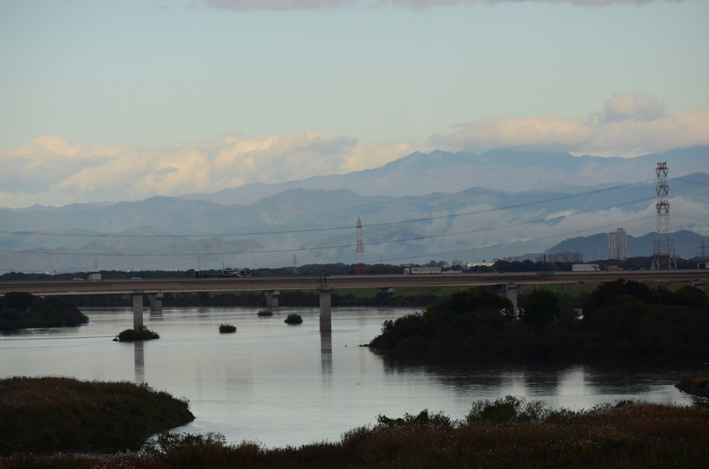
(617, 244)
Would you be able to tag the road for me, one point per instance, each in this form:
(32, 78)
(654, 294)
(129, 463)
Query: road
(102, 287)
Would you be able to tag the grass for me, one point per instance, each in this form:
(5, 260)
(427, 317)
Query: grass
(227, 328)
(506, 433)
(44, 415)
(132, 335)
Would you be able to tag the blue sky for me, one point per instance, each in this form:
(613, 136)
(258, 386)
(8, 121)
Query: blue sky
(376, 78)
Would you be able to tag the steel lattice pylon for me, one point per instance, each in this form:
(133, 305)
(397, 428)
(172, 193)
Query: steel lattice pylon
(360, 262)
(663, 256)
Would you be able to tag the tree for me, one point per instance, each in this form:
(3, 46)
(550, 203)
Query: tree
(540, 308)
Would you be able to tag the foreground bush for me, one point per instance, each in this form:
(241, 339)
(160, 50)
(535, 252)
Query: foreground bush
(62, 414)
(507, 433)
(22, 310)
(132, 335)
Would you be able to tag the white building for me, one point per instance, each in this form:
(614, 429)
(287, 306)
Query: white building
(617, 244)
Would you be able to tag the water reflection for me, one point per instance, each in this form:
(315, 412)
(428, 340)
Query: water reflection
(326, 356)
(139, 356)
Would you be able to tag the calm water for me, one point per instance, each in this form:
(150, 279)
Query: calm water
(281, 384)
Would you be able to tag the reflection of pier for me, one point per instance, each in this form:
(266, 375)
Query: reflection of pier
(139, 354)
(326, 355)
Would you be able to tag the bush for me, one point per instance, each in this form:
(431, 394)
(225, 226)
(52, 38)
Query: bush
(293, 319)
(22, 310)
(226, 328)
(131, 335)
(63, 414)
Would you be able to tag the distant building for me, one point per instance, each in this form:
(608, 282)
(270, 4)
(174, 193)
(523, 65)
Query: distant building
(617, 244)
(566, 256)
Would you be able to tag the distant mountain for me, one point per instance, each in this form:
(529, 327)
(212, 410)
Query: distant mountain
(318, 225)
(420, 174)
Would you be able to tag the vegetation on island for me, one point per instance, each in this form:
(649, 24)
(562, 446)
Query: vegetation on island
(227, 328)
(23, 310)
(51, 414)
(133, 335)
(293, 319)
(697, 385)
(621, 321)
(508, 432)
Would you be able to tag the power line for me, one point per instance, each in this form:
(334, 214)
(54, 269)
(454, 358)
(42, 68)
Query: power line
(522, 241)
(337, 228)
(271, 251)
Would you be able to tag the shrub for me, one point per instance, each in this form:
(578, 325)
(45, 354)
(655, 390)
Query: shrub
(293, 319)
(226, 328)
(63, 414)
(131, 335)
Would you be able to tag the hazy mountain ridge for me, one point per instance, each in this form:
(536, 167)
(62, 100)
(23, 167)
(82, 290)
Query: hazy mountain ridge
(314, 223)
(420, 173)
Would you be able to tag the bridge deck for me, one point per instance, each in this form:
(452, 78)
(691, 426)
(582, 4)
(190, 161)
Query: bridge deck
(102, 287)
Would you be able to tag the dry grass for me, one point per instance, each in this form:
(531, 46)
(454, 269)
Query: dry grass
(63, 414)
(531, 436)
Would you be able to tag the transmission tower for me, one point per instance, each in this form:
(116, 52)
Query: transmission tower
(663, 256)
(360, 263)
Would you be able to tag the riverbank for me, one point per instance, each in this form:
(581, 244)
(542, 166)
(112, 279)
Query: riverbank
(501, 434)
(51, 414)
(23, 310)
(697, 385)
(622, 321)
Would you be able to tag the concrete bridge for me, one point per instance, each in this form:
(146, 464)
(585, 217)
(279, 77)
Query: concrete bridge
(271, 286)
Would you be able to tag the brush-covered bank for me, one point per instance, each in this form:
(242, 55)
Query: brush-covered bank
(505, 433)
(50, 414)
(621, 321)
(23, 310)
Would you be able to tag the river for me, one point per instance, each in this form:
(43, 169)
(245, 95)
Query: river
(289, 385)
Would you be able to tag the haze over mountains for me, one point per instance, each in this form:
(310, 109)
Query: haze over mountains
(423, 206)
(440, 171)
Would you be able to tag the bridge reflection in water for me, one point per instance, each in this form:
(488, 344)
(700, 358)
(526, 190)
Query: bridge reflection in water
(326, 356)
(139, 356)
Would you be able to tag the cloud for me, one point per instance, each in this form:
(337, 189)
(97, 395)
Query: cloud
(629, 125)
(51, 170)
(248, 5)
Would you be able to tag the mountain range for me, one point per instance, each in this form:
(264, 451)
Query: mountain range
(423, 206)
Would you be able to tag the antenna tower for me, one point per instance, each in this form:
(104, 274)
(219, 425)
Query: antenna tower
(663, 256)
(360, 263)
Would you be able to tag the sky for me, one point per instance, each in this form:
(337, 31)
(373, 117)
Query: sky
(200, 95)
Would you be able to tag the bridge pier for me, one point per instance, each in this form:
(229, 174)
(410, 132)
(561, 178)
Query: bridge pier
(512, 296)
(155, 303)
(325, 308)
(272, 300)
(137, 310)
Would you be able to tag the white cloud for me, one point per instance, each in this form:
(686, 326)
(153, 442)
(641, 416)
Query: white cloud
(247, 5)
(53, 171)
(629, 125)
